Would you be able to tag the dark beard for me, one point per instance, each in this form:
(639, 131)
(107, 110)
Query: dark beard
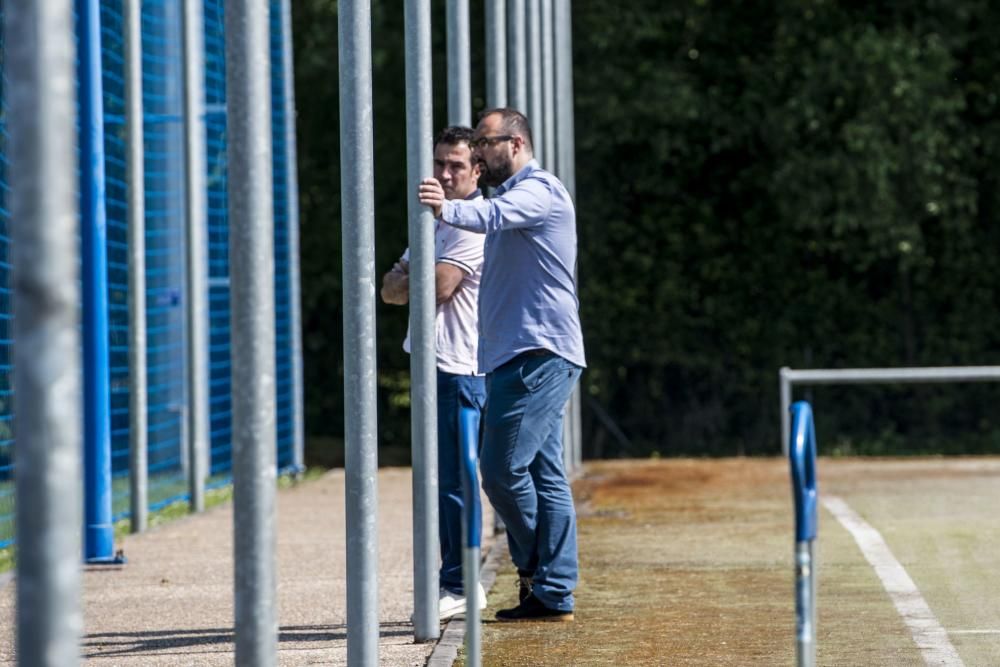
(495, 174)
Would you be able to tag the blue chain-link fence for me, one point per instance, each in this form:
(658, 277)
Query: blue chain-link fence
(162, 94)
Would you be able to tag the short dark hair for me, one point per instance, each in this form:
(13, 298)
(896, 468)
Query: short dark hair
(453, 135)
(514, 122)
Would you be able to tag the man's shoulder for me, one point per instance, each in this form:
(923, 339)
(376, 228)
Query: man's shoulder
(534, 176)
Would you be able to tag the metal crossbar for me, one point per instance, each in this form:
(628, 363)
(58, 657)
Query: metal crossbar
(816, 376)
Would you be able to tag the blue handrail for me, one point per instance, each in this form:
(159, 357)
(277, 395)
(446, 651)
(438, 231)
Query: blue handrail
(468, 422)
(802, 453)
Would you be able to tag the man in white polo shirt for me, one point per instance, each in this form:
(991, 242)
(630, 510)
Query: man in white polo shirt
(458, 268)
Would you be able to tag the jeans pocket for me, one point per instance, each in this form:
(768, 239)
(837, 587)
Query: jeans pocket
(537, 370)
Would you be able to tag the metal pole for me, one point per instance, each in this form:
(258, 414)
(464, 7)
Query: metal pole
(459, 64)
(817, 376)
(565, 161)
(548, 119)
(576, 404)
(473, 614)
(496, 53)
(471, 532)
(894, 375)
(196, 242)
(805, 605)
(294, 282)
(423, 358)
(357, 184)
(802, 459)
(99, 536)
(533, 23)
(517, 56)
(40, 56)
(137, 407)
(563, 42)
(785, 393)
(251, 259)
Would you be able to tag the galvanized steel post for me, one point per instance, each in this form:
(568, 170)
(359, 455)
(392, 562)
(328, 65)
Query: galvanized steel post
(517, 56)
(99, 535)
(251, 259)
(563, 107)
(548, 119)
(496, 53)
(468, 421)
(40, 55)
(785, 398)
(137, 377)
(566, 170)
(423, 358)
(196, 250)
(357, 183)
(459, 63)
(533, 23)
(294, 281)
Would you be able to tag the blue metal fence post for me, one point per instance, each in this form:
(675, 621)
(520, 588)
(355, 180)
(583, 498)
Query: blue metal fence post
(472, 530)
(802, 455)
(99, 535)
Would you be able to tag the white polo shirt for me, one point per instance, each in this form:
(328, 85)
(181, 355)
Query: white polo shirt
(457, 321)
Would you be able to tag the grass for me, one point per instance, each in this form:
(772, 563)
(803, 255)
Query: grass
(177, 510)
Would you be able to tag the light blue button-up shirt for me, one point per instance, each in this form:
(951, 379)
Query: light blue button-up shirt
(527, 297)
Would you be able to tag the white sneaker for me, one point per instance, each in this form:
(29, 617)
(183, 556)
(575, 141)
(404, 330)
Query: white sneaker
(452, 604)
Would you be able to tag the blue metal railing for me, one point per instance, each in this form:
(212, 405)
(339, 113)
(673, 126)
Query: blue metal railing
(116, 188)
(802, 455)
(99, 531)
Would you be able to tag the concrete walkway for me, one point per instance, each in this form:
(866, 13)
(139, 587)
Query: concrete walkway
(172, 604)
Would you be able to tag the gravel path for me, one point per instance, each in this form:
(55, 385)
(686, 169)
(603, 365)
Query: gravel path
(172, 603)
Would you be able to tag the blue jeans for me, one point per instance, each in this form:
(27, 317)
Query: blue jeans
(523, 475)
(454, 391)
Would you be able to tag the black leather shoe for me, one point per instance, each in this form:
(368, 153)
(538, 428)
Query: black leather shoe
(532, 609)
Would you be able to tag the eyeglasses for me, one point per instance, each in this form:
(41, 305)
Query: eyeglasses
(482, 142)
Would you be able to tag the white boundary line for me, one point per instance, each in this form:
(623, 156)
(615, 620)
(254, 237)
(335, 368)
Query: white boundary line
(927, 633)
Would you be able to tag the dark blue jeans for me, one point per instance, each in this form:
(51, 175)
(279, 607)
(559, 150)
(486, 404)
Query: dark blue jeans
(523, 475)
(454, 391)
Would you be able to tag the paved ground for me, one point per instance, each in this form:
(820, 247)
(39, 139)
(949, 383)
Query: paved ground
(689, 562)
(683, 562)
(172, 603)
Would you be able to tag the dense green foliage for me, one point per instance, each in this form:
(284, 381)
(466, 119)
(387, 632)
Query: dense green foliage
(804, 184)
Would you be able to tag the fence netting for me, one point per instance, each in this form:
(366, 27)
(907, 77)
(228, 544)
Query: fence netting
(163, 120)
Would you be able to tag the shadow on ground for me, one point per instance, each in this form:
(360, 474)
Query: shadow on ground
(108, 644)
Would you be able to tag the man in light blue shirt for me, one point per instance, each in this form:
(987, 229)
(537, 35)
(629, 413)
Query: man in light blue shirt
(531, 349)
